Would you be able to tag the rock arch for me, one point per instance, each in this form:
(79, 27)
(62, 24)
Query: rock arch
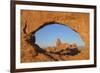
(51, 23)
(79, 22)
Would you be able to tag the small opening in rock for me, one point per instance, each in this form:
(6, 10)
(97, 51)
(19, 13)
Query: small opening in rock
(53, 34)
(55, 38)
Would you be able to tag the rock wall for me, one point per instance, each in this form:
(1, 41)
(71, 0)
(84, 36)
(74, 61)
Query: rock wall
(79, 22)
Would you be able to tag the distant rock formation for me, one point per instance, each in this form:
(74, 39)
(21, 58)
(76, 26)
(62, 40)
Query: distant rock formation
(63, 48)
(58, 42)
(60, 45)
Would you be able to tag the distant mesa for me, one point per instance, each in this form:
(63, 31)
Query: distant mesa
(63, 48)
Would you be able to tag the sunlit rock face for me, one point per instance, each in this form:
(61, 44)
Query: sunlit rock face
(79, 22)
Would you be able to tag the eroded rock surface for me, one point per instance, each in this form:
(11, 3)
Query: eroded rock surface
(31, 21)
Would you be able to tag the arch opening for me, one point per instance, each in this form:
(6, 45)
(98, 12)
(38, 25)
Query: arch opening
(48, 35)
(56, 38)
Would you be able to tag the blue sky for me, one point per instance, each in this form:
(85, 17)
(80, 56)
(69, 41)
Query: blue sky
(48, 35)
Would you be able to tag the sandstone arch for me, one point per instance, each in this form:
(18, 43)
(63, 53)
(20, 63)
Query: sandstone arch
(51, 23)
(79, 22)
